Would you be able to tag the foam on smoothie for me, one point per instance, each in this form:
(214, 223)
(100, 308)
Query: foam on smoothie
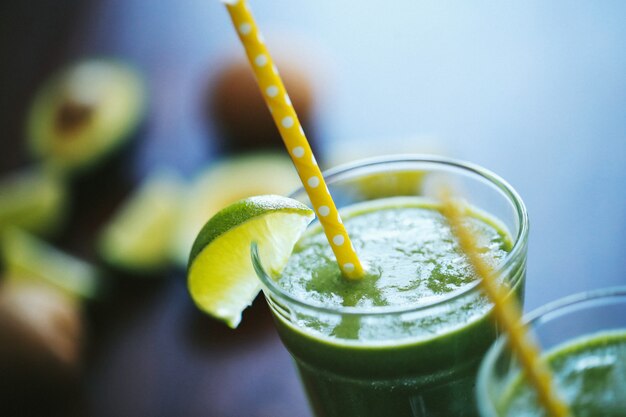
(409, 251)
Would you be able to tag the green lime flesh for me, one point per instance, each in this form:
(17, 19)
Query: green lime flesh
(221, 277)
(138, 237)
(28, 258)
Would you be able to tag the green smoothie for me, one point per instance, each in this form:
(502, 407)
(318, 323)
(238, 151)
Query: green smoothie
(411, 334)
(591, 374)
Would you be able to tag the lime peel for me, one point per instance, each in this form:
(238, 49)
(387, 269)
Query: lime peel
(138, 237)
(33, 200)
(221, 277)
(27, 258)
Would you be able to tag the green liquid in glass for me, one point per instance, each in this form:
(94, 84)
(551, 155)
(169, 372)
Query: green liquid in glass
(590, 373)
(418, 363)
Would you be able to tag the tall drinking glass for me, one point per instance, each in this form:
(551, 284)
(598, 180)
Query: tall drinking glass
(408, 359)
(584, 337)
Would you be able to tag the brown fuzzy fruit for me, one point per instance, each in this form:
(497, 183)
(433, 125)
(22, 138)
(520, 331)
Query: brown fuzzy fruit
(240, 113)
(41, 332)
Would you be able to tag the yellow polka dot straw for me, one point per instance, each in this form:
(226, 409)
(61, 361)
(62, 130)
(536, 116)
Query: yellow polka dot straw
(508, 313)
(286, 120)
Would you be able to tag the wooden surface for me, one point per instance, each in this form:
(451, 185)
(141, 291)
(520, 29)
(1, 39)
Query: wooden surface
(532, 91)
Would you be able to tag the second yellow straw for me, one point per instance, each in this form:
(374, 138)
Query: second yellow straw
(507, 312)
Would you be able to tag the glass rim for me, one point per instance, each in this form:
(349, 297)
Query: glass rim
(456, 164)
(538, 316)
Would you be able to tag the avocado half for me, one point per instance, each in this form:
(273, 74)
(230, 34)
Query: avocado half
(85, 113)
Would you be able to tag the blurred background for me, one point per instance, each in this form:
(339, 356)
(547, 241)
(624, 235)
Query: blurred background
(98, 205)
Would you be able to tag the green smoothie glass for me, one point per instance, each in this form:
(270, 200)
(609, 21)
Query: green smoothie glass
(406, 359)
(584, 341)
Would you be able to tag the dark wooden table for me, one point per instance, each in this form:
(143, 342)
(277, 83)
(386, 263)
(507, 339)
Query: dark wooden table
(534, 91)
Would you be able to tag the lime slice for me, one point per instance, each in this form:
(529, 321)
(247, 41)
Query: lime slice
(32, 200)
(27, 258)
(225, 182)
(388, 184)
(221, 277)
(138, 237)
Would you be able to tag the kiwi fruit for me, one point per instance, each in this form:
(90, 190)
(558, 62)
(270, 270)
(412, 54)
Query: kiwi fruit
(42, 327)
(41, 342)
(240, 115)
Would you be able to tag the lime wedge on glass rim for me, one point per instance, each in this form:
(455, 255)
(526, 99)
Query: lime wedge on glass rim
(221, 278)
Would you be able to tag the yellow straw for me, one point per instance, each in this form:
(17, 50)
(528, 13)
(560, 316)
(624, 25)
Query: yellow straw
(507, 312)
(286, 120)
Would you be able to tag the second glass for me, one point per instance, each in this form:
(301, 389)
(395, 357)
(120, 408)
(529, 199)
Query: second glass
(584, 341)
(416, 359)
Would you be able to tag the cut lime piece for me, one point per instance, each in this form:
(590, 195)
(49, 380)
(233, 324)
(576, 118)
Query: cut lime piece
(224, 183)
(221, 277)
(388, 184)
(84, 113)
(139, 236)
(27, 258)
(32, 200)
